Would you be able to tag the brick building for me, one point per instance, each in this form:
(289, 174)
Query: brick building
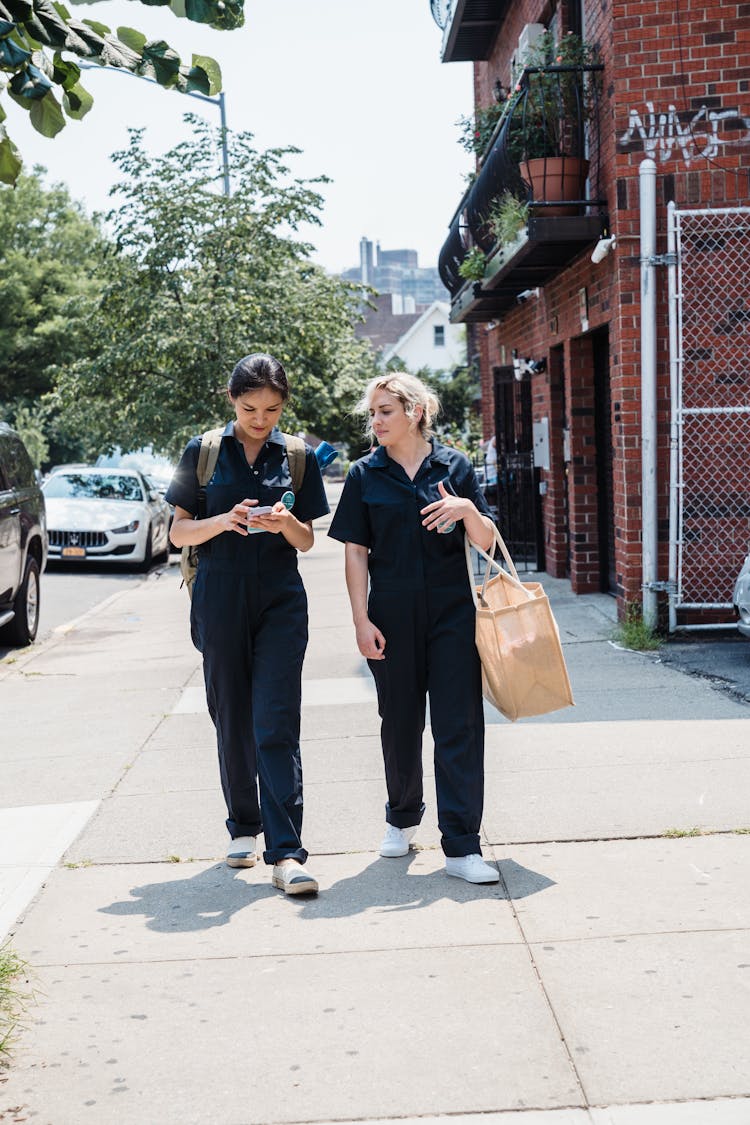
(559, 337)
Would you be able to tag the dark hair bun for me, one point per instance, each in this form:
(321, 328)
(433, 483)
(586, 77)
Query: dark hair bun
(255, 372)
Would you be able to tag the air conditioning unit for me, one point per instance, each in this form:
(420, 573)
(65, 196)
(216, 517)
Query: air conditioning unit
(529, 37)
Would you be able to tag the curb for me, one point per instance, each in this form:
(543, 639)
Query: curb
(10, 663)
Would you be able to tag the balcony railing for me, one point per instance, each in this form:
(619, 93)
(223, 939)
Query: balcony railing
(545, 151)
(441, 10)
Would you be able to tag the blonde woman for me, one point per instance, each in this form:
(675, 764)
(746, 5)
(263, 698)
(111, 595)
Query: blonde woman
(402, 516)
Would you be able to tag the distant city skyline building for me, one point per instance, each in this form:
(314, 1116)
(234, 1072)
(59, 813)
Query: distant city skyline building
(397, 272)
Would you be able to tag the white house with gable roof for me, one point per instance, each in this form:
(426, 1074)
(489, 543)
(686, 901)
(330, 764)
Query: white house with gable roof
(430, 341)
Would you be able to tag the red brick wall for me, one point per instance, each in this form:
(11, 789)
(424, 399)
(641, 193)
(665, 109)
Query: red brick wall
(701, 67)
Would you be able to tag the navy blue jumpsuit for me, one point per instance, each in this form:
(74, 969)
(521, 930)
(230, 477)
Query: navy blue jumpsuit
(421, 601)
(248, 618)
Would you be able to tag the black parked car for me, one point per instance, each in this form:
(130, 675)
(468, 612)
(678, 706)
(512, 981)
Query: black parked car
(23, 541)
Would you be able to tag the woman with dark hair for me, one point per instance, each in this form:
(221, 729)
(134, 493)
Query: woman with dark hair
(249, 614)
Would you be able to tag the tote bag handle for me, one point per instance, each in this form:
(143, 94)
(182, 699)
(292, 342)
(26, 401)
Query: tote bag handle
(511, 574)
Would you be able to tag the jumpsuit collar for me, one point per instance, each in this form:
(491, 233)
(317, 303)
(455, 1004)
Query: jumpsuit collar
(276, 437)
(379, 458)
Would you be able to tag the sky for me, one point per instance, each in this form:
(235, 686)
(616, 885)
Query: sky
(356, 84)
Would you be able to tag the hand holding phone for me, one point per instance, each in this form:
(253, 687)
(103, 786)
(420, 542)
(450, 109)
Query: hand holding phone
(254, 513)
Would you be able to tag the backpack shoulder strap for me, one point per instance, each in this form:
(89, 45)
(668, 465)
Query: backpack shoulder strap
(209, 455)
(295, 454)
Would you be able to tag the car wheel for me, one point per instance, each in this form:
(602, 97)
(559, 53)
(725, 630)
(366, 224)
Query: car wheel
(162, 556)
(149, 551)
(23, 628)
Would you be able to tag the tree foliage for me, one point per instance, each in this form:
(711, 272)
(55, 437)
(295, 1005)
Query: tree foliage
(459, 421)
(37, 36)
(52, 258)
(199, 280)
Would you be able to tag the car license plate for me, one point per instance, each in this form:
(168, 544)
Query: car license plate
(74, 552)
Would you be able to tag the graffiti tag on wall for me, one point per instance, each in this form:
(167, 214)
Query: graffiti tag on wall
(706, 134)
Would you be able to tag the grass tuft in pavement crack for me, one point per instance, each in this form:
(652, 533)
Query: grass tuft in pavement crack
(11, 1001)
(633, 632)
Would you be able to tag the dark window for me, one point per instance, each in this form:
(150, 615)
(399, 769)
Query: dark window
(18, 467)
(575, 17)
(93, 486)
(439, 335)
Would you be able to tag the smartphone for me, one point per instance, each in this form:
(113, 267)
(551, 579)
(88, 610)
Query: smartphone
(261, 511)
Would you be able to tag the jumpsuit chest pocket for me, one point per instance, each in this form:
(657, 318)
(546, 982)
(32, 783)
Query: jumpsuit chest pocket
(393, 519)
(222, 496)
(394, 526)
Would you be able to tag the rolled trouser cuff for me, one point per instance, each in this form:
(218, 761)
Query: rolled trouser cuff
(456, 846)
(237, 828)
(273, 855)
(401, 819)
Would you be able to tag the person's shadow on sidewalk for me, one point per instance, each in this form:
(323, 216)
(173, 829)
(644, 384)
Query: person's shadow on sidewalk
(390, 886)
(210, 898)
(200, 902)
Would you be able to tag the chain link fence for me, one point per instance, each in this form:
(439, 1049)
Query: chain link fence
(711, 406)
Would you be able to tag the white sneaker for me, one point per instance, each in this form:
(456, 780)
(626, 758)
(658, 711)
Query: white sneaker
(241, 852)
(396, 840)
(472, 868)
(292, 878)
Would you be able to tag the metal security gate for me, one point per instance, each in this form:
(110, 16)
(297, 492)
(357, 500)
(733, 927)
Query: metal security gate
(519, 515)
(709, 313)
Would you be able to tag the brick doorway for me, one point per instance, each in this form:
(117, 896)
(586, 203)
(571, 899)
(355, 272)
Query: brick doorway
(604, 469)
(591, 478)
(519, 509)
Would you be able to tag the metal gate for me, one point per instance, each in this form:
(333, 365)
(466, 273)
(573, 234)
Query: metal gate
(518, 513)
(709, 321)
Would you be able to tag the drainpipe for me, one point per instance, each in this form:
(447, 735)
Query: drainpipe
(649, 517)
(674, 399)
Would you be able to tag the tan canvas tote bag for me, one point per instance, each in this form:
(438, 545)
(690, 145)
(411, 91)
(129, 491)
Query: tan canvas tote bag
(523, 667)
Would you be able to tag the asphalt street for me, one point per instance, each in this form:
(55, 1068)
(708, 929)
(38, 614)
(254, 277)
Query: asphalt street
(69, 590)
(723, 659)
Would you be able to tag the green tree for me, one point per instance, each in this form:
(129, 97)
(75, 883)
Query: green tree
(459, 396)
(36, 36)
(51, 259)
(31, 429)
(458, 390)
(199, 280)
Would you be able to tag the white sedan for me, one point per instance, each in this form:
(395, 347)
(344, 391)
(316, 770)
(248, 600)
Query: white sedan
(741, 598)
(112, 515)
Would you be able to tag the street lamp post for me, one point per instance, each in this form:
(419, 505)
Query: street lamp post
(219, 100)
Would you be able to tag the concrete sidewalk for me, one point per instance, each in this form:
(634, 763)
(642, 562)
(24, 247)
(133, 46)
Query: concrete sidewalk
(604, 981)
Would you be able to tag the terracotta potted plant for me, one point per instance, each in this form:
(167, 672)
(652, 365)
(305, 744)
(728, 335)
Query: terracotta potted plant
(548, 129)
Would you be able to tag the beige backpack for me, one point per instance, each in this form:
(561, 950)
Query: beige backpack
(207, 458)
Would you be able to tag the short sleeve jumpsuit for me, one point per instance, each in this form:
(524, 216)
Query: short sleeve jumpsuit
(421, 601)
(249, 620)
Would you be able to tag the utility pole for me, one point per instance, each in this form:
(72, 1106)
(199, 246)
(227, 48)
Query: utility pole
(219, 101)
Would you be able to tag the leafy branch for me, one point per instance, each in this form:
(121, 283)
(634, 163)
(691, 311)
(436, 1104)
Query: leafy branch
(37, 77)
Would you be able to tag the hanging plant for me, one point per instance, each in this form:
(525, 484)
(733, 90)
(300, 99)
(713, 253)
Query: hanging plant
(474, 264)
(507, 216)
